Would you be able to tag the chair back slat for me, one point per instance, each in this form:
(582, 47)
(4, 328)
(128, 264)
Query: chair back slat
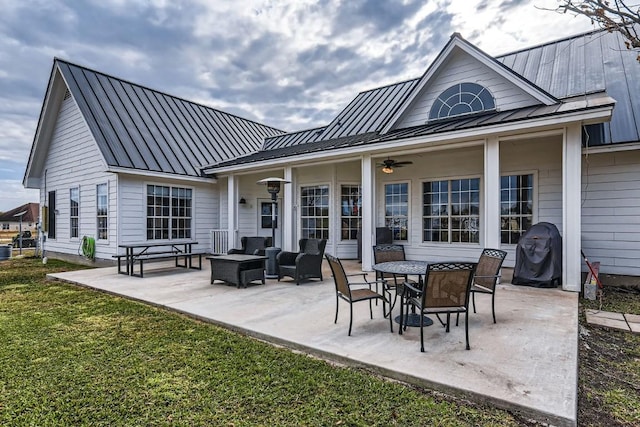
(488, 268)
(339, 276)
(447, 284)
(388, 253)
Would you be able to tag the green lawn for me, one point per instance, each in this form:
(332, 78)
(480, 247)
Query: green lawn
(71, 356)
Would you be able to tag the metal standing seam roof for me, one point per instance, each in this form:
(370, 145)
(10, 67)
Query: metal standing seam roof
(139, 128)
(585, 103)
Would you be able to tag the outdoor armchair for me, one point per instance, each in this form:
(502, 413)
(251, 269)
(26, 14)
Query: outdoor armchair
(306, 264)
(252, 246)
(487, 275)
(353, 292)
(445, 290)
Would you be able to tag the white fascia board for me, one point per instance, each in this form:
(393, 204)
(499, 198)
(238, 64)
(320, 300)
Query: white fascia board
(611, 148)
(475, 134)
(151, 174)
(46, 122)
(458, 42)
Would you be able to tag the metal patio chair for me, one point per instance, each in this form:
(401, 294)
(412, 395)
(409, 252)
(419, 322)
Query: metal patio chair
(445, 290)
(353, 292)
(487, 276)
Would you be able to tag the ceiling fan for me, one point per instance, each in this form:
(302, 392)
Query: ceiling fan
(389, 164)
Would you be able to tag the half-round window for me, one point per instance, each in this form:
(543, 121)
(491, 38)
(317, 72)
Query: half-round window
(462, 98)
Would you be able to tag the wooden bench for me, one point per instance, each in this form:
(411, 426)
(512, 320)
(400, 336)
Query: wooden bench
(147, 256)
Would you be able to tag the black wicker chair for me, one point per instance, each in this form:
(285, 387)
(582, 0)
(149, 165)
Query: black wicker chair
(445, 290)
(306, 264)
(353, 291)
(252, 246)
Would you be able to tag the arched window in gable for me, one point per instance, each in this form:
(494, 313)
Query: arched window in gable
(461, 99)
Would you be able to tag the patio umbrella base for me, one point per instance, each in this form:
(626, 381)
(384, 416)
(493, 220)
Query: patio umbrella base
(413, 320)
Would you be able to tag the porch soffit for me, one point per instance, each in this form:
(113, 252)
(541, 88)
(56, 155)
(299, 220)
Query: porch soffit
(576, 110)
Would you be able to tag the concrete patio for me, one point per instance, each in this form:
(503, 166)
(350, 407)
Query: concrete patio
(527, 362)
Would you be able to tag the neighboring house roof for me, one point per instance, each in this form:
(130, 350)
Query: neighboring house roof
(554, 72)
(142, 129)
(32, 213)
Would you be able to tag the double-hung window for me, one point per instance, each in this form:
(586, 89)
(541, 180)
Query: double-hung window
(314, 211)
(396, 209)
(516, 207)
(169, 212)
(74, 212)
(350, 211)
(102, 211)
(451, 211)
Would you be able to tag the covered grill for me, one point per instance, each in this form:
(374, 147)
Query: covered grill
(539, 257)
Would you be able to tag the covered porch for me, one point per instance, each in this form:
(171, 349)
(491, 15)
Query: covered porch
(448, 202)
(526, 362)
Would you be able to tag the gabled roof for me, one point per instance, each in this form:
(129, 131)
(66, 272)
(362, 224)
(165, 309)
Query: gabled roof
(457, 43)
(31, 213)
(141, 129)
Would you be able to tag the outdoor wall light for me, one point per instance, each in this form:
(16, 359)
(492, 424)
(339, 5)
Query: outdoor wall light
(242, 201)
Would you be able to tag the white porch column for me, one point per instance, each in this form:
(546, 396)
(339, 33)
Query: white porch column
(288, 212)
(491, 235)
(571, 208)
(232, 210)
(368, 210)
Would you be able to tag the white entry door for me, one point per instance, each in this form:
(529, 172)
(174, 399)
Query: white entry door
(265, 220)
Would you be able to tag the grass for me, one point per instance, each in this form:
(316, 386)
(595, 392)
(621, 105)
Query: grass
(609, 369)
(72, 356)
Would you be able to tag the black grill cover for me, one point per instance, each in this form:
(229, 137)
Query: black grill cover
(539, 257)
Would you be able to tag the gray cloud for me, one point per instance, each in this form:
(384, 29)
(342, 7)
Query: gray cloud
(292, 65)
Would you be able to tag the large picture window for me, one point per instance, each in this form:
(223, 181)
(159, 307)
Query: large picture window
(396, 209)
(74, 212)
(102, 211)
(516, 207)
(169, 212)
(314, 211)
(451, 211)
(350, 211)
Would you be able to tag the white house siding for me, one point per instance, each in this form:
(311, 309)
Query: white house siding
(74, 161)
(611, 211)
(464, 68)
(133, 208)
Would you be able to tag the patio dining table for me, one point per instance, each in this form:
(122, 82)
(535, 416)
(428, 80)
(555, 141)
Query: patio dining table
(406, 268)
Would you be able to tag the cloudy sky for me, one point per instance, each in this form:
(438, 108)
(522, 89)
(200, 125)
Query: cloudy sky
(292, 64)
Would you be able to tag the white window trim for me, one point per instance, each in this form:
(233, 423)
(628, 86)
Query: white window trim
(339, 209)
(145, 185)
(481, 206)
(298, 202)
(99, 241)
(79, 210)
(383, 198)
(536, 204)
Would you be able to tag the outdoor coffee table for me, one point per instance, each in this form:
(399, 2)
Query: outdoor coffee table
(237, 269)
(406, 268)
